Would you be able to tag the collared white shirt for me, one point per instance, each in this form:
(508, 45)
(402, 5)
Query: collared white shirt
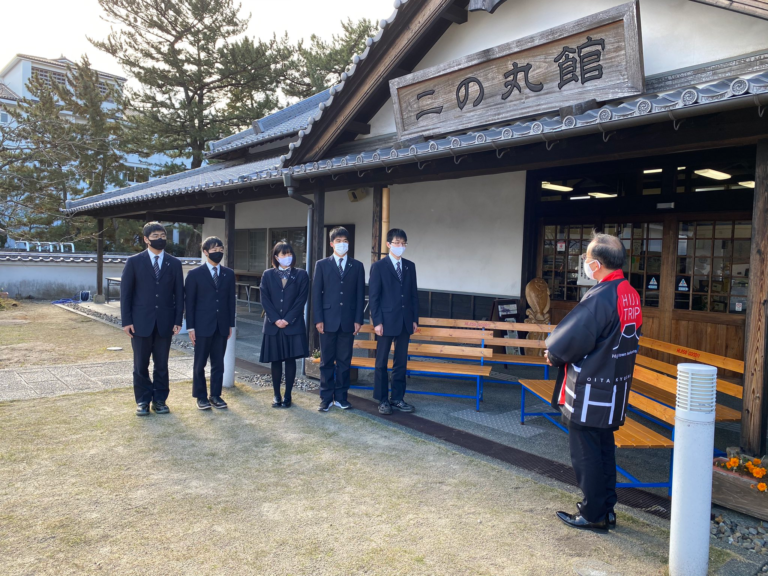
(283, 269)
(211, 267)
(159, 258)
(395, 261)
(340, 261)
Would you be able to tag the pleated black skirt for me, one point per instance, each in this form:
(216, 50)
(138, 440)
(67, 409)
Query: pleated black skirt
(283, 347)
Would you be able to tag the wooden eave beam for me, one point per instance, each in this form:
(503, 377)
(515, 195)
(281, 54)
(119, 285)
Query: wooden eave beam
(355, 127)
(455, 14)
(755, 8)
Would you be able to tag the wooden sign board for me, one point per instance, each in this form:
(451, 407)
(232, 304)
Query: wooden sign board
(598, 57)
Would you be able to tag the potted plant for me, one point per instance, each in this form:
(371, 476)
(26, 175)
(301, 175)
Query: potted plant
(740, 483)
(312, 365)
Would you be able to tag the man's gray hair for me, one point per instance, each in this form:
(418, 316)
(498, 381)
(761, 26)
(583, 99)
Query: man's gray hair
(608, 250)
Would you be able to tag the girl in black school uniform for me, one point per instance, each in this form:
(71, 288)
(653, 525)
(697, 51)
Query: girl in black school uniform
(284, 290)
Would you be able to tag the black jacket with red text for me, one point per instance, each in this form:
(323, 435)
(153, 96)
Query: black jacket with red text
(595, 347)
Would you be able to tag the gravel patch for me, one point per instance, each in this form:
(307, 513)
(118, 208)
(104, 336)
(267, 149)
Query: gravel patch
(265, 381)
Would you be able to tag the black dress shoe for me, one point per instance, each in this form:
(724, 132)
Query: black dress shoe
(142, 409)
(287, 402)
(402, 405)
(610, 517)
(217, 402)
(160, 408)
(203, 404)
(325, 405)
(277, 402)
(578, 521)
(385, 408)
(343, 404)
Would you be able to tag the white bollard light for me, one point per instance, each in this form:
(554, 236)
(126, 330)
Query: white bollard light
(229, 360)
(692, 470)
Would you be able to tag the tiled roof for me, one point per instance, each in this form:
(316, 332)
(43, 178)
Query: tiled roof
(645, 109)
(203, 178)
(62, 63)
(8, 94)
(73, 258)
(280, 124)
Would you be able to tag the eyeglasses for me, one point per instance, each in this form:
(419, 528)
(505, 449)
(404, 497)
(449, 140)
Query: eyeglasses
(399, 243)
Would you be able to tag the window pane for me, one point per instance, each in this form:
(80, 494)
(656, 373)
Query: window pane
(703, 247)
(699, 302)
(738, 306)
(684, 247)
(655, 230)
(739, 286)
(719, 285)
(723, 229)
(740, 270)
(723, 248)
(703, 229)
(682, 301)
(549, 247)
(653, 265)
(654, 247)
(684, 265)
(257, 253)
(701, 266)
(549, 232)
(701, 284)
(742, 229)
(241, 250)
(636, 281)
(652, 299)
(741, 249)
(718, 304)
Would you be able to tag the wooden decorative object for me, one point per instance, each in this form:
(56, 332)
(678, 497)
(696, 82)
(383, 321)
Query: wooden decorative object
(537, 297)
(598, 57)
(735, 492)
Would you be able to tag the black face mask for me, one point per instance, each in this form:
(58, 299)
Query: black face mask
(158, 243)
(216, 256)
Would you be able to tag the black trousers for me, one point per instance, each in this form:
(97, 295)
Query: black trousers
(593, 456)
(206, 347)
(158, 348)
(380, 380)
(336, 357)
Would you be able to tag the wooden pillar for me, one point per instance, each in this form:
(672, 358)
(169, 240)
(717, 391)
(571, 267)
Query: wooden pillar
(384, 220)
(755, 403)
(99, 260)
(376, 227)
(229, 235)
(530, 238)
(319, 242)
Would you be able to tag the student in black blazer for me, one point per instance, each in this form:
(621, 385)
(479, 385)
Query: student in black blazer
(210, 291)
(338, 299)
(394, 303)
(284, 290)
(151, 310)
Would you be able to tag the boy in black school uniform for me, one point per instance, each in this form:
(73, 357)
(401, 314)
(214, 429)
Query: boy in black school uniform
(394, 302)
(338, 297)
(211, 304)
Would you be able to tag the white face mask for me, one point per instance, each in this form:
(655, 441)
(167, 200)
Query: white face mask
(341, 248)
(588, 268)
(397, 250)
(285, 262)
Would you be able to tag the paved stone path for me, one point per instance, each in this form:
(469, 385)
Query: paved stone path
(42, 381)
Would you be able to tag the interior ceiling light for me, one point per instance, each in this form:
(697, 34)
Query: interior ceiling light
(652, 171)
(710, 189)
(556, 187)
(714, 174)
(747, 184)
(579, 197)
(681, 167)
(602, 195)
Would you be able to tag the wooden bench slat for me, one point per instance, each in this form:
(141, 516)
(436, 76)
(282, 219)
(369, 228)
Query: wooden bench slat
(488, 325)
(723, 386)
(663, 413)
(520, 359)
(447, 332)
(462, 352)
(519, 342)
(437, 367)
(697, 355)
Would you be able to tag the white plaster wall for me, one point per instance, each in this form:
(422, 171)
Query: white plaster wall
(676, 34)
(465, 235)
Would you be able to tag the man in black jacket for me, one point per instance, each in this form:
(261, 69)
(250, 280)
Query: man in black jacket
(151, 310)
(595, 347)
(338, 299)
(394, 302)
(210, 292)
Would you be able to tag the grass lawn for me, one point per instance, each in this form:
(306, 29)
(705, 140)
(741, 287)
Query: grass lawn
(86, 487)
(40, 334)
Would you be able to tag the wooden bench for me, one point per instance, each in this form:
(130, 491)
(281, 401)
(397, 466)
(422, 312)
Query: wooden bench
(490, 340)
(632, 435)
(451, 370)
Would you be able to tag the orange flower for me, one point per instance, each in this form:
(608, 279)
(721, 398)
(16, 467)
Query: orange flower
(758, 472)
(756, 462)
(733, 462)
(762, 486)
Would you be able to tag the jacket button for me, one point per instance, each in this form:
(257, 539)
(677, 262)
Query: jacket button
(403, 306)
(217, 310)
(341, 304)
(157, 283)
(341, 292)
(156, 306)
(342, 281)
(157, 295)
(280, 300)
(216, 300)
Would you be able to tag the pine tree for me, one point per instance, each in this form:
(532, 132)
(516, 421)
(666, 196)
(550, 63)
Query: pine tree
(320, 65)
(190, 65)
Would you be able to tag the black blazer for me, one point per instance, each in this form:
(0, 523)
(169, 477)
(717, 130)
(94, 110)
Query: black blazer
(284, 303)
(392, 303)
(146, 301)
(338, 302)
(209, 307)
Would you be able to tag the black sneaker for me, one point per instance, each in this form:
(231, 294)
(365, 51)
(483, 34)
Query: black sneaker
(343, 404)
(277, 402)
(402, 405)
(325, 405)
(160, 408)
(142, 410)
(287, 402)
(217, 402)
(203, 404)
(385, 408)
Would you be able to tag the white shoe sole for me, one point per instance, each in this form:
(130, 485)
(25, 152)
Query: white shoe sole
(206, 408)
(340, 406)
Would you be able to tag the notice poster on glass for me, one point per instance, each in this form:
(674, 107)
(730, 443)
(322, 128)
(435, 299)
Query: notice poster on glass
(512, 334)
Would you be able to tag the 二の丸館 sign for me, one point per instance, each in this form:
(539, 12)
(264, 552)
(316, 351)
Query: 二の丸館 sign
(597, 57)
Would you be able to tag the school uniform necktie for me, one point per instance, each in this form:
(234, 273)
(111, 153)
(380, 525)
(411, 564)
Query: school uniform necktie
(157, 268)
(399, 272)
(216, 276)
(341, 268)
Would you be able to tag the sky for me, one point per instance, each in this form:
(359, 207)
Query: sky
(50, 28)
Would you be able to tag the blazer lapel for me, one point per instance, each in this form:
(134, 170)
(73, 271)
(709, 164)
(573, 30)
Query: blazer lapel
(207, 273)
(291, 278)
(391, 266)
(166, 265)
(348, 266)
(150, 259)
